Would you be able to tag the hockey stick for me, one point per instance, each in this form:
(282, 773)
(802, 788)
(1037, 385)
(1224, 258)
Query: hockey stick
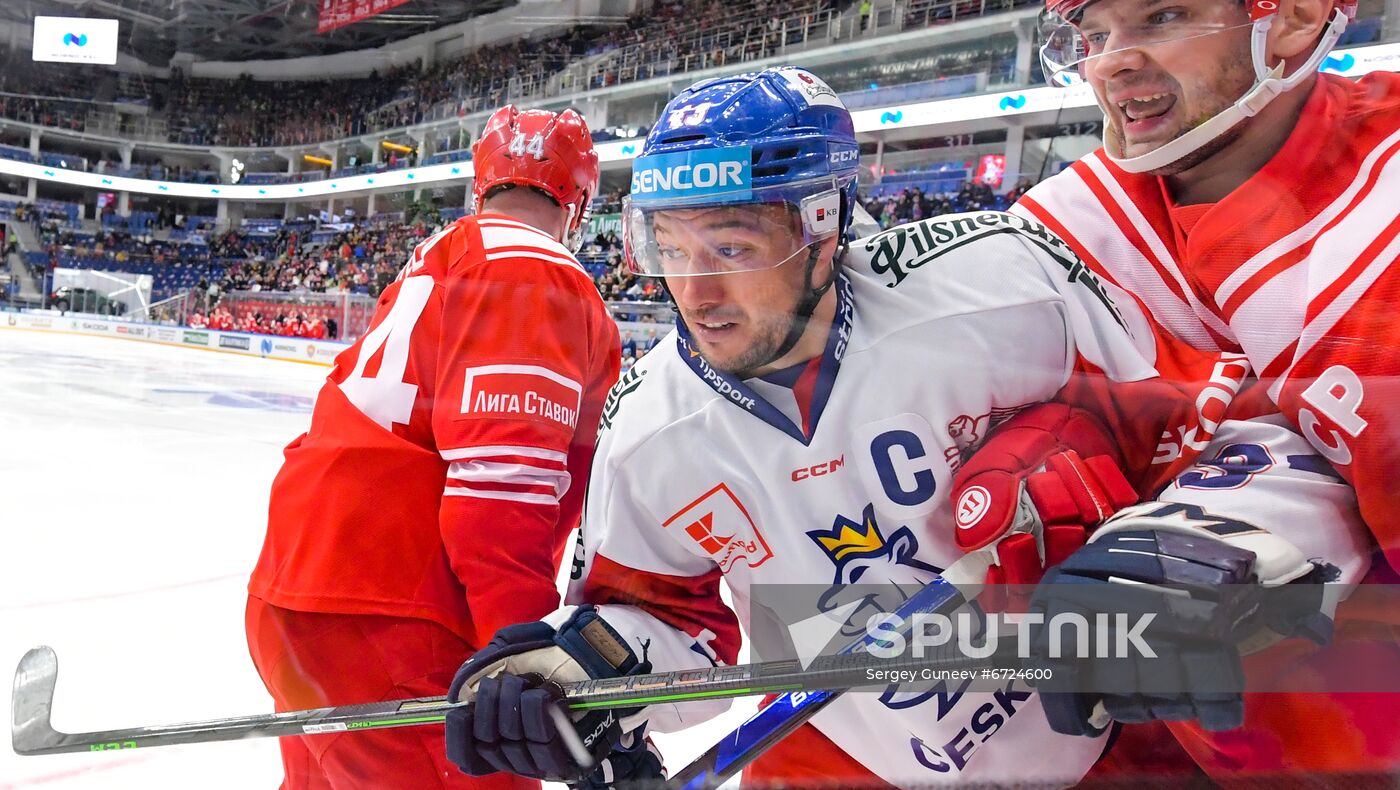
(792, 709)
(32, 732)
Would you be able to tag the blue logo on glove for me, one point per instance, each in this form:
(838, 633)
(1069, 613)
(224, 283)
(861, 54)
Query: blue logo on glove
(1012, 102)
(725, 173)
(892, 117)
(71, 40)
(1339, 64)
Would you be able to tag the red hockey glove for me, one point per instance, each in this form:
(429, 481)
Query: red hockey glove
(1035, 488)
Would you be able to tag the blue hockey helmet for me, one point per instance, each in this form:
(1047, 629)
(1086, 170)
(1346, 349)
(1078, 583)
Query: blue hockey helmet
(778, 136)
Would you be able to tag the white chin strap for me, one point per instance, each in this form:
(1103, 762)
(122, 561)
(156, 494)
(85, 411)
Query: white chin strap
(1268, 83)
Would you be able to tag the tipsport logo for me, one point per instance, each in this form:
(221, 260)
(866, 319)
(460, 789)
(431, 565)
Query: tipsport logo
(694, 175)
(72, 40)
(892, 117)
(720, 525)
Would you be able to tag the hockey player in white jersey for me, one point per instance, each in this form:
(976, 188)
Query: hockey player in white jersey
(803, 425)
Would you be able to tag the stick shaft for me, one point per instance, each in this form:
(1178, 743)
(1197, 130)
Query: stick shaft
(32, 734)
(792, 709)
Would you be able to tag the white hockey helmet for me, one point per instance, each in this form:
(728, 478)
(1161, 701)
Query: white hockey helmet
(1065, 54)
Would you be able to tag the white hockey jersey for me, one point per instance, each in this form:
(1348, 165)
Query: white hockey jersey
(943, 326)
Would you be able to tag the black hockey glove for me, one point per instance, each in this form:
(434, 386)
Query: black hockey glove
(513, 721)
(1168, 598)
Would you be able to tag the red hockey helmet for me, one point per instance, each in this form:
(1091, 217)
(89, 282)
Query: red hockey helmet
(551, 152)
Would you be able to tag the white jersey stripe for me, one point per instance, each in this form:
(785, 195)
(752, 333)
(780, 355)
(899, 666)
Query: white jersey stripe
(537, 255)
(1384, 196)
(513, 474)
(497, 450)
(1338, 249)
(1328, 318)
(1272, 317)
(509, 496)
(497, 221)
(1155, 244)
(494, 237)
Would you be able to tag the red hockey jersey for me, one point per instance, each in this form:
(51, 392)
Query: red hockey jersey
(1294, 269)
(448, 450)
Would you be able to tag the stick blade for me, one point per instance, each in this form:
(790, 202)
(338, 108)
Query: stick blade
(32, 702)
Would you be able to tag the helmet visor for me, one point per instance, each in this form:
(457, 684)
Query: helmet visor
(1070, 49)
(758, 229)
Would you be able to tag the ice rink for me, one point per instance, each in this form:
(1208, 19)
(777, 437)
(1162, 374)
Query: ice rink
(133, 492)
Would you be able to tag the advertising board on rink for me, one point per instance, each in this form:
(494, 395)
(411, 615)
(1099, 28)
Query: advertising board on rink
(316, 352)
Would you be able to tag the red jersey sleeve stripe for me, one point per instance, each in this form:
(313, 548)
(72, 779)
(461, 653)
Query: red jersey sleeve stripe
(478, 471)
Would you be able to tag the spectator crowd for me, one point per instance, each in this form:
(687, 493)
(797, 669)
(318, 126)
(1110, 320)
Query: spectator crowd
(668, 37)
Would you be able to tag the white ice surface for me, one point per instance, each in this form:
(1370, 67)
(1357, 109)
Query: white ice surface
(133, 495)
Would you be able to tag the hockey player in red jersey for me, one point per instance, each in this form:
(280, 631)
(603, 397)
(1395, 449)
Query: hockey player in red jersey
(430, 501)
(1248, 203)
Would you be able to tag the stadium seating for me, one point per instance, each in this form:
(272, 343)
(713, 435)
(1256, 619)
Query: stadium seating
(671, 37)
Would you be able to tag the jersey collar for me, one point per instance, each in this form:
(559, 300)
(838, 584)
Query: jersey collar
(742, 395)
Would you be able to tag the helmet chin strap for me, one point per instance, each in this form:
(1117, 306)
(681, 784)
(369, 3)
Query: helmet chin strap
(807, 305)
(1268, 84)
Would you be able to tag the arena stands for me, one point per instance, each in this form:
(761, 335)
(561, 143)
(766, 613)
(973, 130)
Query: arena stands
(272, 257)
(672, 37)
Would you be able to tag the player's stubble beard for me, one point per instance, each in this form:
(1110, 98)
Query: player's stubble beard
(775, 330)
(770, 331)
(1217, 90)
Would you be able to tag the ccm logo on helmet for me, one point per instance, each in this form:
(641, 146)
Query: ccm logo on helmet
(843, 157)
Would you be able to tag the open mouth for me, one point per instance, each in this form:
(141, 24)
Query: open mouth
(1147, 108)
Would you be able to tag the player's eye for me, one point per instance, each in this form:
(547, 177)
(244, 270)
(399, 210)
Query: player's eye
(1165, 17)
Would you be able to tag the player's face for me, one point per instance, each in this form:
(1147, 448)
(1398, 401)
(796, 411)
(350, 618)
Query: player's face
(738, 319)
(1153, 94)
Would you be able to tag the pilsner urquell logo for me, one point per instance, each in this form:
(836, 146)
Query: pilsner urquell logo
(72, 40)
